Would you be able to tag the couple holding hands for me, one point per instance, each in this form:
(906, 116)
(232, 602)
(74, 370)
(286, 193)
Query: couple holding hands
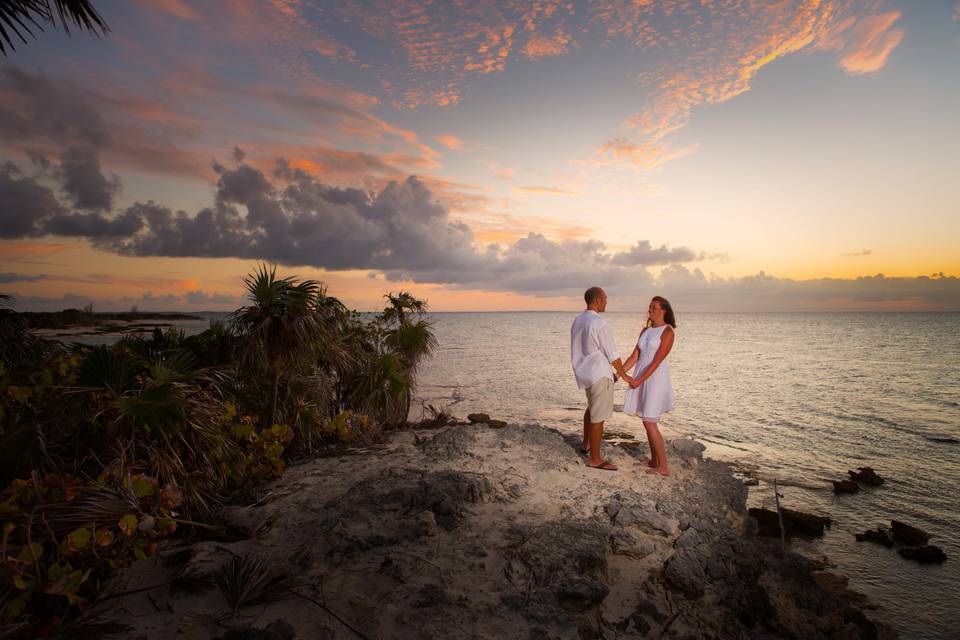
(596, 365)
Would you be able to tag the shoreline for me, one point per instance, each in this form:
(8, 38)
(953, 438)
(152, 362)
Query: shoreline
(476, 531)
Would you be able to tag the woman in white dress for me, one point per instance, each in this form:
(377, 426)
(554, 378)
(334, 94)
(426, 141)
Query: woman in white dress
(651, 393)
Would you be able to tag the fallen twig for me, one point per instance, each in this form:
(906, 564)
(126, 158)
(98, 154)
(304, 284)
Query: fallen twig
(329, 611)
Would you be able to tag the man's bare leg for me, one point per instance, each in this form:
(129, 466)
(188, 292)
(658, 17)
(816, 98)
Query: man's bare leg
(657, 449)
(594, 460)
(585, 445)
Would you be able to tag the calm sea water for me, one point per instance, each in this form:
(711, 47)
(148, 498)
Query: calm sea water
(797, 397)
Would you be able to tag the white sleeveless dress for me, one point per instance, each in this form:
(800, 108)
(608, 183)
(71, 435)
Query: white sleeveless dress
(654, 397)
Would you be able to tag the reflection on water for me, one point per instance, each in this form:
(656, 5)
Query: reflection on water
(797, 397)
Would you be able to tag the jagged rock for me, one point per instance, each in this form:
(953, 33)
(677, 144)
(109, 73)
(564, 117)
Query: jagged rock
(684, 570)
(276, 630)
(449, 444)
(687, 448)
(867, 476)
(878, 536)
(908, 535)
(617, 435)
(627, 543)
(580, 593)
(797, 523)
(845, 486)
(478, 417)
(627, 508)
(925, 555)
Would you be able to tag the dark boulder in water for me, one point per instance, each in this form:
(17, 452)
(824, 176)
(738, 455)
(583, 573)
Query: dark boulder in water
(928, 554)
(797, 523)
(478, 417)
(878, 536)
(907, 535)
(867, 476)
(845, 486)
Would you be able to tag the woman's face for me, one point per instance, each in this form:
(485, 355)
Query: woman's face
(655, 312)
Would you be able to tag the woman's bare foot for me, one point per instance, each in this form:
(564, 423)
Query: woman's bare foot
(649, 462)
(663, 471)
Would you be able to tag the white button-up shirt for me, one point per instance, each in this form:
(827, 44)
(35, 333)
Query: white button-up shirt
(592, 349)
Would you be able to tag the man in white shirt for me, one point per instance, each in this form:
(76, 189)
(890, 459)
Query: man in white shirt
(592, 352)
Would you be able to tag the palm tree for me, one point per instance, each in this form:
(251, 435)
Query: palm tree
(281, 324)
(410, 341)
(400, 305)
(20, 17)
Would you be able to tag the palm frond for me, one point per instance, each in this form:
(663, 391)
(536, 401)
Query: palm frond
(21, 18)
(247, 580)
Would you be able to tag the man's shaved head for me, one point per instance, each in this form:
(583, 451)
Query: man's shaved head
(592, 294)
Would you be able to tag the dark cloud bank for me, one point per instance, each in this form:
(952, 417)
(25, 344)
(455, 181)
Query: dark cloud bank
(292, 218)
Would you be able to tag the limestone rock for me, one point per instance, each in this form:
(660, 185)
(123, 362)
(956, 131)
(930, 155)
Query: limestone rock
(928, 554)
(867, 476)
(804, 525)
(908, 535)
(627, 543)
(845, 486)
(684, 570)
(879, 536)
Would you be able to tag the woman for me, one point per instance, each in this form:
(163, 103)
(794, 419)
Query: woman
(651, 393)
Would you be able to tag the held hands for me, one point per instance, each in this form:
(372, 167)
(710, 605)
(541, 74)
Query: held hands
(635, 382)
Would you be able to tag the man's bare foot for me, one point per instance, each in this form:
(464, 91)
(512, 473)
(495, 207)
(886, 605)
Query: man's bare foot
(649, 462)
(664, 471)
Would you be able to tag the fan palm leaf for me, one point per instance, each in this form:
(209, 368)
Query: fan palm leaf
(21, 18)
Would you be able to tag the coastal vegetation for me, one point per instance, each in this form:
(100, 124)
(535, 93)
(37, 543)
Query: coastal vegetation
(106, 451)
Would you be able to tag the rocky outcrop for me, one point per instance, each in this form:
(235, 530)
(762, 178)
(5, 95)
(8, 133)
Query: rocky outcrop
(795, 523)
(867, 476)
(474, 531)
(879, 536)
(845, 486)
(928, 554)
(908, 535)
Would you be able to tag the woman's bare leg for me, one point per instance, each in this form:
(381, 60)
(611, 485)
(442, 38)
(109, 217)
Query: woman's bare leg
(657, 449)
(652, 460)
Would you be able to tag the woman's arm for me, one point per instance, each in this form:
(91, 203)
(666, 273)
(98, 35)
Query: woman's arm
(666, 343)
(632, 360)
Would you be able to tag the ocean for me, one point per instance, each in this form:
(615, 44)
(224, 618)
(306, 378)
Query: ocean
(797, 397)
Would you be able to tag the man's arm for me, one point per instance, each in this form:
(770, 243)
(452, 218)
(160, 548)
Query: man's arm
(618, 367)
(609, 348)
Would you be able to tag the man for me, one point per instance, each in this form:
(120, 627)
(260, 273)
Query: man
(592, 352)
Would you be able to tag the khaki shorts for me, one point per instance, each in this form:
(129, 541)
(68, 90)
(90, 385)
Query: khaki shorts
(600, 400)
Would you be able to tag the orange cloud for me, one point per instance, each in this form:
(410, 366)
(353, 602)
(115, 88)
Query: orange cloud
(542, 47)
(551, 190)
(865, 43)
(22, 251)
(716, 64)
(449, 141)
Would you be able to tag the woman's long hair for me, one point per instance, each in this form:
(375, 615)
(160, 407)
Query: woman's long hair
(667, 311)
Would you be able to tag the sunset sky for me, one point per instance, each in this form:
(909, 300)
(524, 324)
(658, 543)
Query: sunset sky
(488, 155)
